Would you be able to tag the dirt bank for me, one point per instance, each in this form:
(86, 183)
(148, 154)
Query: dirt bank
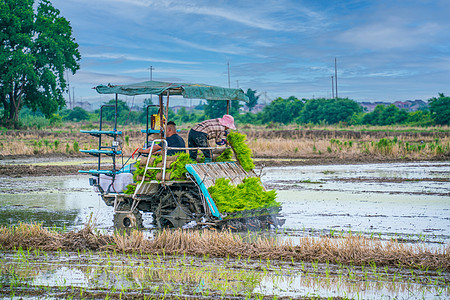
(20, 169)
(33, 170)
(343, 134)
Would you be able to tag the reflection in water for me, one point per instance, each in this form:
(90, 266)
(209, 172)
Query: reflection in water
(317, 286)
(186, 275)
(386, 200)
(62, 202)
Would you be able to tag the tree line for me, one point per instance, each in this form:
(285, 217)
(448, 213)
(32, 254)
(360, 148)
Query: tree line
(281, 111)
(349, 112)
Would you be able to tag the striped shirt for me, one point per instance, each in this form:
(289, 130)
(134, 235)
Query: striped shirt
(212, 128)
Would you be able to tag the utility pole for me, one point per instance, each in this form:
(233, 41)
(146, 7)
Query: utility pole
(68, 89)
(151, 79)
(228, 64)
(151, 73)
(335, 76)
(332, 87)
(73, 97)
(228, 101)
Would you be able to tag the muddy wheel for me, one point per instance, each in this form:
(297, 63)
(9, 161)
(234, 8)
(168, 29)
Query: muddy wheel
(178, 207)
(124, 219)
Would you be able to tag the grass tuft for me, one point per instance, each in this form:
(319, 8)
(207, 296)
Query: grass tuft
(349, 250)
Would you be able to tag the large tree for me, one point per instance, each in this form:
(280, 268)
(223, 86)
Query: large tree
(36, 49)
(218, 108)
(331, 111)
(282, 110)
(440, 109)
(252, 99)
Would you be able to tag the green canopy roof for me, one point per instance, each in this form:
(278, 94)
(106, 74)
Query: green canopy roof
(187, 90)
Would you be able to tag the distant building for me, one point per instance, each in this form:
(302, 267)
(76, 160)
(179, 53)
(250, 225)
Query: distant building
(409, 105)
(84, 105)
(256, 109)
(177, 108)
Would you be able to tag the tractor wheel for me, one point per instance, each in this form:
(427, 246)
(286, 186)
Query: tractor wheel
(124, 219)
(177, 208)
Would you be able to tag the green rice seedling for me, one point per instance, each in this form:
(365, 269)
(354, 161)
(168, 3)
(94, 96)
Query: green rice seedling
(242, 151)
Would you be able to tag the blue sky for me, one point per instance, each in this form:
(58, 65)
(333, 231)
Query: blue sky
(386, 50)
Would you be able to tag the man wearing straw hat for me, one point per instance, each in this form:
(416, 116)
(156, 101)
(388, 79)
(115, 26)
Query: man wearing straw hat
(208, 130)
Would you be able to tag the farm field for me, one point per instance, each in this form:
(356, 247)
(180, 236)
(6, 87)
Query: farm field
(351, 208)
(365, 144)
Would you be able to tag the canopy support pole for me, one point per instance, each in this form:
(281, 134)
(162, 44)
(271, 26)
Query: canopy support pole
(161, 114)
(167, 113)
(228, 107)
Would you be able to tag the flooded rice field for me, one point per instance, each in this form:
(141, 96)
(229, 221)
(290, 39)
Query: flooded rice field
(406, 201)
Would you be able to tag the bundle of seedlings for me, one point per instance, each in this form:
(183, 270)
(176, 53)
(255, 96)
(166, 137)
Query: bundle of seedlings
(175, 169)
(241, 150)
(226, 155)
(248, 195)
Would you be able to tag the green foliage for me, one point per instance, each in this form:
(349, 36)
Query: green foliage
(75, 114)
(216, 109)
(252, 99)
(330, 111)
(247, 118)
(37, 49)
(76, 148)
(123, 112)
(420, 118)
(55, 120)
(245, 196)
(282, 110)
(385, 145)
(440, 109)
(226, 155)
(183, 117)
(243, 152)
(385, 115)
(33, 119)
(178, 169)
(130, 189)
(151, 174)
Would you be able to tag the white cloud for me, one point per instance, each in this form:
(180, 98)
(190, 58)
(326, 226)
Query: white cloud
(137, 58)
(389, 34)
(229, 49)
(259, 16)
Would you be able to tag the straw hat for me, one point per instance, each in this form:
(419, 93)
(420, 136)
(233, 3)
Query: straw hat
(227, 121)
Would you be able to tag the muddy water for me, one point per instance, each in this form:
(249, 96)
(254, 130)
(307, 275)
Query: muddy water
(409, 200)
(406, 200)
(62, 202)
(114, 276)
